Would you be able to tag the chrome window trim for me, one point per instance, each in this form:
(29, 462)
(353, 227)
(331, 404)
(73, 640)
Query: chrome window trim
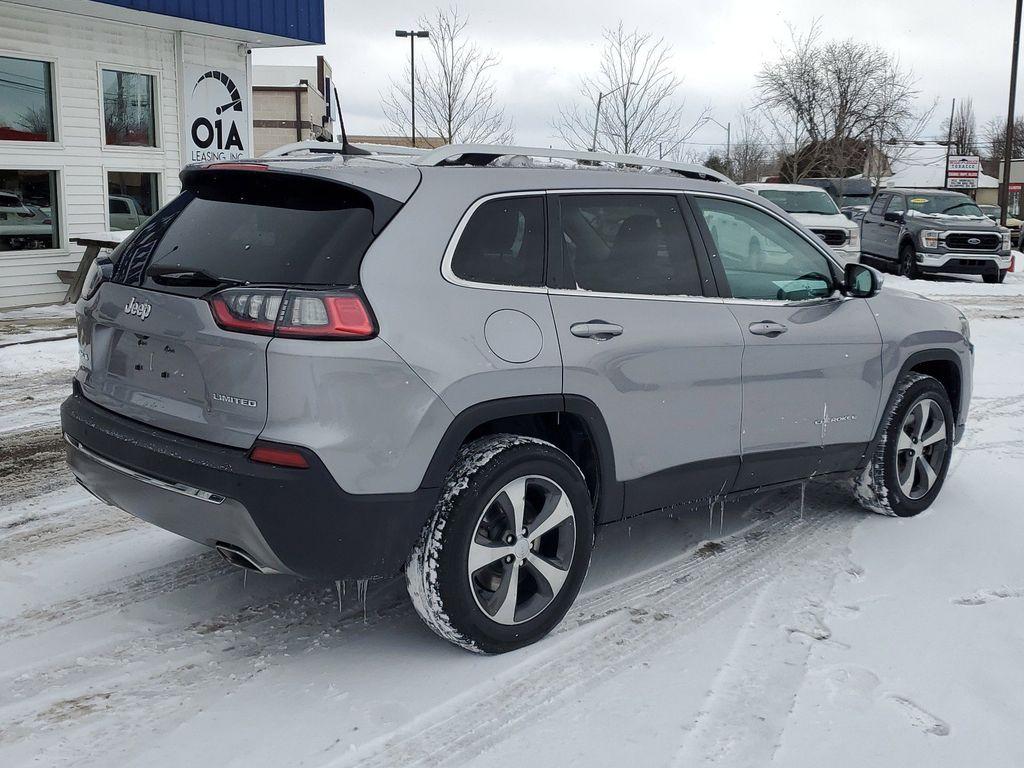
(179, 488)
(449, 253)
(451, 277)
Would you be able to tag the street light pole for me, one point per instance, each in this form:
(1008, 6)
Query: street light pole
(412, 34)
(597, 116)
(728, 139)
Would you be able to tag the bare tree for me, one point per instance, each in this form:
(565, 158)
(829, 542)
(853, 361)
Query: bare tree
(832, 100)
(636, 89)
(964, 133)
(994, 143)
(751, 155)
(456, 101)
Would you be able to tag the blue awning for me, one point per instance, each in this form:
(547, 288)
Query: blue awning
(301, 21)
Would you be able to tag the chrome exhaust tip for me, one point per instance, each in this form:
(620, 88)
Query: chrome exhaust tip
(239, 557)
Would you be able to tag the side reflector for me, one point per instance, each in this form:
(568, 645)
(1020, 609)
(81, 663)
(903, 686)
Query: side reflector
(278, 455)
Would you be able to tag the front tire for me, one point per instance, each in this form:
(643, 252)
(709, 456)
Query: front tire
(505, 552)
(989, 277)
(908, 468)
(908, 262)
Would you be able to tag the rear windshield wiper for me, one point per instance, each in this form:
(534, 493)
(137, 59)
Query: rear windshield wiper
(190, 276)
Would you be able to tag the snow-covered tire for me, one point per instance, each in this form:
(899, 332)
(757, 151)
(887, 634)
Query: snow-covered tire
(473, 507)
(878, 487)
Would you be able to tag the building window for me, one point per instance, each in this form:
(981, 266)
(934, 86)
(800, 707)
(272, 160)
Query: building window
(128, 109)
(26, 100)
(131, 198)
(28, 210)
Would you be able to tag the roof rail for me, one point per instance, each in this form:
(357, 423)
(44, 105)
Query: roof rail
(320, 147)
(482, 154)
(338, 148)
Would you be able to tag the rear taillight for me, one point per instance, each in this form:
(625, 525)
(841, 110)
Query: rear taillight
(278, 455)
(247, 311)
(294, 313)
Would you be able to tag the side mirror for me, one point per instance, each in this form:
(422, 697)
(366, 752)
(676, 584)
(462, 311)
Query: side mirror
(861, 281)
(893, 216)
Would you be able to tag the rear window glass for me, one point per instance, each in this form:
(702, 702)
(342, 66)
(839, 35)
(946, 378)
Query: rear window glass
(503, 243)
(635, 244)
(255, 227)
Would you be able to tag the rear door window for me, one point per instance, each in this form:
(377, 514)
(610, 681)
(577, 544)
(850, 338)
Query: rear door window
(628, 243)
(255, 227)
(503, 243)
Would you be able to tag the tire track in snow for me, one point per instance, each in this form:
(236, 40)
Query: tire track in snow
(117, 595)
(748, 705)
(637, 616)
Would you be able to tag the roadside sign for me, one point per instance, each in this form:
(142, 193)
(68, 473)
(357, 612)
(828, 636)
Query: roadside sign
(962, 171)
(217, 114)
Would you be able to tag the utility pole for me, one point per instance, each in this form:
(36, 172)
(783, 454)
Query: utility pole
(728, 141)
(1004, 189)
(597, 116)
(949, 140)
(412, 34)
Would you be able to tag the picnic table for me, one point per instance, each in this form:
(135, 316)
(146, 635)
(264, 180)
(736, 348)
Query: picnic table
(94, 243)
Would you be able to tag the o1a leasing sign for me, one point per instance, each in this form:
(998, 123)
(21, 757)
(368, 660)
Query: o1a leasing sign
(216, 113)
(962, 171)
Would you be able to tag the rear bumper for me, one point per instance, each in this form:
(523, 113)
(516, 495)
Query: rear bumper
(292, 521)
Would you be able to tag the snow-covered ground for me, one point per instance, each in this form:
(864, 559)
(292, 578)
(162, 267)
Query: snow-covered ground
(802, 635)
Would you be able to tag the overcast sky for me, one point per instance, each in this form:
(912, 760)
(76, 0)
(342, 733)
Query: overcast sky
(955, 48)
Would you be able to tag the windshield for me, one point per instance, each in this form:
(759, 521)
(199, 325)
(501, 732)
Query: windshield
(950, 205)
(992, 211)
(800, 200)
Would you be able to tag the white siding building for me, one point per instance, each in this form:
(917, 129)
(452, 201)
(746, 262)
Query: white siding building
(101, 105)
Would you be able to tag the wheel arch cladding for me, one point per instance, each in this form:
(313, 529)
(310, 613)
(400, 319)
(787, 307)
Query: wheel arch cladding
(572, 423)
(942, 364)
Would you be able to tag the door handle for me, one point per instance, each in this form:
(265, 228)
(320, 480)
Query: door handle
(595, 329)
(767, 328)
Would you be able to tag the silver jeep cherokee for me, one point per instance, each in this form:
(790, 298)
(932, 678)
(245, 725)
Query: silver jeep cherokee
(459, 363)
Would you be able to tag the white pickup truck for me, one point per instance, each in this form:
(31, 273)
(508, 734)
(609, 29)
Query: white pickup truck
(22, 226)
(815, 209)
(125, 212)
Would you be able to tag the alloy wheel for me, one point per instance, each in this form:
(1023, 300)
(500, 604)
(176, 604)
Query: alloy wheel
(921, 448)
(522, 549)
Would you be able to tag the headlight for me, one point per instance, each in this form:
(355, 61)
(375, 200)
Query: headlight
(854, 238)
(929, 238)
(1006, 241)
(99, 272)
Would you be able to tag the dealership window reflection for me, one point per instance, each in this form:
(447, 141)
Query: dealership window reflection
(131, 198)
(128, 109)
(26, 100)
(28, 210)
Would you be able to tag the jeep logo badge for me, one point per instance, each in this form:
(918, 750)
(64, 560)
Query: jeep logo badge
(973, 241)
(140, 309)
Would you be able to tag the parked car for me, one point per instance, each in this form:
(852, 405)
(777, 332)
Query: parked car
(995, 213)
(845, 191)
(125, 212)
(346, 366)
(815, 209)
(928, 231)
(23, 226)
